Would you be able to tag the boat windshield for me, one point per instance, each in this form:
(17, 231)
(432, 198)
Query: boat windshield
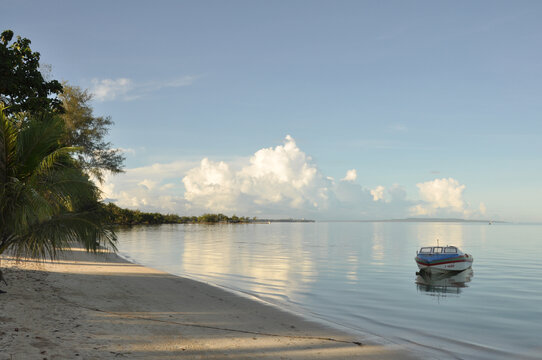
(450, 250)
(439, 250)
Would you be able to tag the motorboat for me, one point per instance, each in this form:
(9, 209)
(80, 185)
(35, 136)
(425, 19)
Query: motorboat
(442, 259)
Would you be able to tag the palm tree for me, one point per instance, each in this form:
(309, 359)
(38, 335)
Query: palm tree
(47, 203)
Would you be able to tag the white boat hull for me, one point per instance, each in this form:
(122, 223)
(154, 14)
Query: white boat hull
(441, 268)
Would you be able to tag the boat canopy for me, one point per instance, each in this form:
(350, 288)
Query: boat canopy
(439, 250)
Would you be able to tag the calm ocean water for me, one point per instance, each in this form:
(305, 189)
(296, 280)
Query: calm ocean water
(362, 276)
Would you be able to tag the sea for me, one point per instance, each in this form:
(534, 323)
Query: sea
(362, 278)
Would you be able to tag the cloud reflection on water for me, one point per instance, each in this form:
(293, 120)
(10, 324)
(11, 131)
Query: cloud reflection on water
(267, 268)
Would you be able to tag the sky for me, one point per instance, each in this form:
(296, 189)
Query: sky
(318, 109)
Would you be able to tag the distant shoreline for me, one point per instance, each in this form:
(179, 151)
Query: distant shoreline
(448, 220)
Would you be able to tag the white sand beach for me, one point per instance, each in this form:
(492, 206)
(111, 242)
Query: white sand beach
(87, 306)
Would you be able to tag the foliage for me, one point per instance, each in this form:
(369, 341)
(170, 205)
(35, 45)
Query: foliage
(212, 218)
(87, 132)
(120, 216)
(46, 201)
(22, 86)
(221, 218)
(25, 92)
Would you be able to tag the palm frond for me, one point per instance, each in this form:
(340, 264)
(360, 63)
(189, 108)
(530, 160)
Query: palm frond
(47, 239)
(47, 202)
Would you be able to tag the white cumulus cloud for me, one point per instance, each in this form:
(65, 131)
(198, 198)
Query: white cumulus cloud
(283, 176)
(156, 187)
(110, 89)
(280, 181)
(351, 175)
(126, 89)
(483, 208)
(440, 195)
(378, 193)
(211, 185)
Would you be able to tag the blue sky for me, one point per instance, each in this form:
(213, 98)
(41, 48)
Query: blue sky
(436, 105)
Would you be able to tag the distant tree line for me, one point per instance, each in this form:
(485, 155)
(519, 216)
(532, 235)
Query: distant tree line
(120, 216)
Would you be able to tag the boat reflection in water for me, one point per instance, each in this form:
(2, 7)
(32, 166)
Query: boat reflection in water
(443, 284)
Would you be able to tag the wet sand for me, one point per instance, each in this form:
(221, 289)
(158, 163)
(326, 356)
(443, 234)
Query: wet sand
(87, 306)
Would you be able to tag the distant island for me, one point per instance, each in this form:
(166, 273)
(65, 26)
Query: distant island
(284, 220)
(120, 216)
(450, 220)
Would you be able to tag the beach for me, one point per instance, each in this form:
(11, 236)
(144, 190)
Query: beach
(100, 306)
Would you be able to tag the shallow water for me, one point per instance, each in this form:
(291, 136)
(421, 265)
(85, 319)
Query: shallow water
(363, 276)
